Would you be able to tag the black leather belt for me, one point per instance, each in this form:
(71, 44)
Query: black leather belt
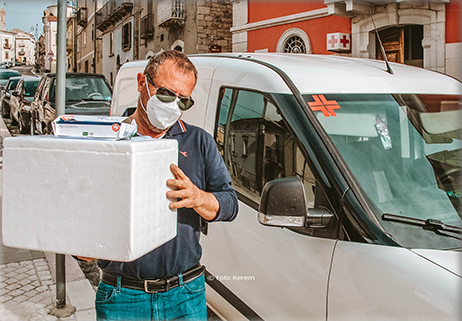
(154, 286)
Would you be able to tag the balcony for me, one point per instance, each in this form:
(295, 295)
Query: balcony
(6, 45)
(171, 13)
(21, 52)
(82, 16)
(21, 44)
(111, 12)
(147, 26)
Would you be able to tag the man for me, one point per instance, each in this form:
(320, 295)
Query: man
(201, 188)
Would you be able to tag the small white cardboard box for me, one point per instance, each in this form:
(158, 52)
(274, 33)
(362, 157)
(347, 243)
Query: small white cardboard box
(87, 126)
(94, 198)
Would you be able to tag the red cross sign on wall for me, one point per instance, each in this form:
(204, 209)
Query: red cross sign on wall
(338, 41)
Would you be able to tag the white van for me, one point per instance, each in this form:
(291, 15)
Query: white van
(349, 183)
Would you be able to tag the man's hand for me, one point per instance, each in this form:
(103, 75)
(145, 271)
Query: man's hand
(205, 204)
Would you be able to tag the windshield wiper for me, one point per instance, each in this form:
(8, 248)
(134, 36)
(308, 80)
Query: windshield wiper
(429, 224)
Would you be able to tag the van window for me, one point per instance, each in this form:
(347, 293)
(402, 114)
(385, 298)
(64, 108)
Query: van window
(404, 151)
(256, 145)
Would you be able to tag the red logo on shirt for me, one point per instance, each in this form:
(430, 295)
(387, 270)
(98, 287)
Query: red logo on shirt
(185, 154)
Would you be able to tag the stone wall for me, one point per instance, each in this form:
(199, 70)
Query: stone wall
(214, 21)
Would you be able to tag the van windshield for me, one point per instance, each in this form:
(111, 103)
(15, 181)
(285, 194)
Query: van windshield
(405, 152)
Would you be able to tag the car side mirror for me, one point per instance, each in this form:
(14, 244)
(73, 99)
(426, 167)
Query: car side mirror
(283, 204)
(15, 93)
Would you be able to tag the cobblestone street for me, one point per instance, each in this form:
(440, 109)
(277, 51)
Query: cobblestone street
(26, 291)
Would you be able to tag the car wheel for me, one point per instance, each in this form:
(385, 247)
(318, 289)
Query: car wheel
(4, 115)
(31, 125)
(13, 121)
(22, 127)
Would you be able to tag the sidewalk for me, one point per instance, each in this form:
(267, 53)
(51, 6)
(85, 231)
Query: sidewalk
(27, 282)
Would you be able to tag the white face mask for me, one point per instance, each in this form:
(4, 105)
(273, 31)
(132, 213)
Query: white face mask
(161, 115)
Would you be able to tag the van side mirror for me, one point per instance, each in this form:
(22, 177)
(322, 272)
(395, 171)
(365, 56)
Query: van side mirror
(283, 204)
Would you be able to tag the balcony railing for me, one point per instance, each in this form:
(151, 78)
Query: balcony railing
(111, 12)
(147, 26)
(82, 16)
(21, 44)
(6, 46)
(21, 52)
(171, 13)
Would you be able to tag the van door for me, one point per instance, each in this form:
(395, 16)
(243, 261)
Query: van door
(245, 258)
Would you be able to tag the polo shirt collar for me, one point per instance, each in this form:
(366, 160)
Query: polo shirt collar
(177, 128)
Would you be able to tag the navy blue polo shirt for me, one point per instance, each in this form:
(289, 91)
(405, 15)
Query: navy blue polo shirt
(201, 161)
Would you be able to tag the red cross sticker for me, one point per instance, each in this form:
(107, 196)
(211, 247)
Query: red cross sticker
(327, 107)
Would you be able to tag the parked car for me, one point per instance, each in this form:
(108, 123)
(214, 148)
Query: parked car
(20, 102)
(349, 184)
(6, 94)
(7, 74)
(87, 94)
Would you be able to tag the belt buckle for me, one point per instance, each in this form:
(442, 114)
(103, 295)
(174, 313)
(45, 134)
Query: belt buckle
(146, 289)
(164, 289)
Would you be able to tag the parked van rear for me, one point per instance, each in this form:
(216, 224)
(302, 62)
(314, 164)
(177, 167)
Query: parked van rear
(349, 183)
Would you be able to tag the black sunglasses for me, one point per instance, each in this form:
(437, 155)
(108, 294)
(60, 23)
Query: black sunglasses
(167, 96)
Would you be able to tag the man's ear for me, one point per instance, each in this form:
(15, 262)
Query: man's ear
(141, 79)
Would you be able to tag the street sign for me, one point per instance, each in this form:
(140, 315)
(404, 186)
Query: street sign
(50, 53)
(50, 59)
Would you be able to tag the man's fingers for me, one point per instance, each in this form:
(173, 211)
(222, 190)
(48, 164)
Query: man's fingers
(182, 193)
(177, 172)
(180, 204)
(88, 259)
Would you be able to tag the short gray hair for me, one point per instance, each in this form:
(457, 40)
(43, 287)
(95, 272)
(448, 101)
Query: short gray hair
(181, 61)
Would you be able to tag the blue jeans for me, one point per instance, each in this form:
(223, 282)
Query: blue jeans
(185, 302)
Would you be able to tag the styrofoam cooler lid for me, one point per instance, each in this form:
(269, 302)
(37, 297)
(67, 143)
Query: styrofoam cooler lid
(138, 144)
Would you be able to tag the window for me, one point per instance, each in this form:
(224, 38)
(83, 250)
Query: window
(84, 39)
(126, 36)
(86, 65)
(295, 44)
(111, 44)
(294, 40)
(256, 145)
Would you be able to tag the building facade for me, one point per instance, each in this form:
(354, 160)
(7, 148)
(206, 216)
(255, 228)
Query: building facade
(414, 32)
(25, 47)
(50, 30)
(137, 29)
(7, 46)
(87, 37)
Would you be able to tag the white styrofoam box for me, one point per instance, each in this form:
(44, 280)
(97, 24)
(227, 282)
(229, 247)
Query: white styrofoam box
(94, 198)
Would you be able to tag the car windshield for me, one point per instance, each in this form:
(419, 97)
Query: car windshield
(30, 87)
(9, 74)
(405, 153)
(12, 84)
(85, 88)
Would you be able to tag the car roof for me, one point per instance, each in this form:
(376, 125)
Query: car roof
(15, 78)
(77, 74)
(336, 74)
(30, 78)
